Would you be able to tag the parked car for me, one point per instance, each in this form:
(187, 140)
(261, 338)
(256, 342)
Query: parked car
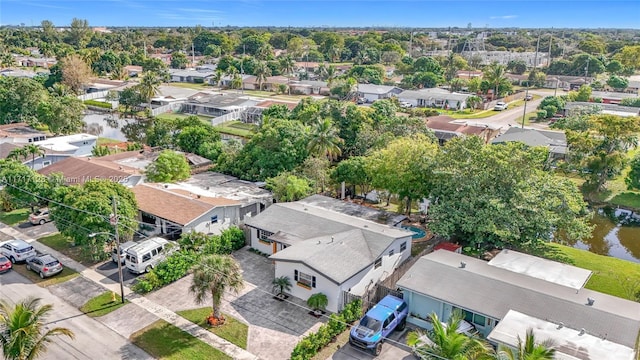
(123, 252)
(500, 106)
(405, 104)
(528, 97)
(361, 100)
(17, 250)
(45, 265)
(377, 324)
(40, 217)
(5, 264)
(144, 256)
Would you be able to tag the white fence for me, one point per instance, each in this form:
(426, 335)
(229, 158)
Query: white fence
(175, 106)
(233, 115)
(94, 95)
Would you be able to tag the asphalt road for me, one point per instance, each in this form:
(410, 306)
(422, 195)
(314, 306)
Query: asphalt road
(92, 340)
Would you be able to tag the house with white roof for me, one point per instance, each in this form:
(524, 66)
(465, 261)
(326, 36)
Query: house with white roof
(373, 92)
(60, 148)
(322, 249)
(434, 97)
(191, 75)
(515, 291)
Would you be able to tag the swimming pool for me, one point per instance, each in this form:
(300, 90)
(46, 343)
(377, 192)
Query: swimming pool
(417, 232)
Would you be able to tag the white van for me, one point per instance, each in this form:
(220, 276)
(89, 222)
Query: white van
(144, 256)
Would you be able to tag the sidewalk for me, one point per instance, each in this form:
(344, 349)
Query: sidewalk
(157, 310)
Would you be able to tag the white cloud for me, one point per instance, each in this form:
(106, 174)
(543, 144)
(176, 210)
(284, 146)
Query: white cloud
(504, 17)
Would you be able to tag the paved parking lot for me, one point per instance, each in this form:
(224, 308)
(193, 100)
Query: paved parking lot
(391, 350)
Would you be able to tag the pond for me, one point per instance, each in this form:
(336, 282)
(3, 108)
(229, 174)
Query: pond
(616, 234)
(106, 125)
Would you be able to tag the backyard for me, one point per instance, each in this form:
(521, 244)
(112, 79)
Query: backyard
(237, 128)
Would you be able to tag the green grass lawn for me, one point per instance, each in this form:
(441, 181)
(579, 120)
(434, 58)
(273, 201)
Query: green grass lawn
(167, 342)
(274, 96)
(467, 114)
(237, 128)
(233, 331)
(14, 217)
(191, 86)
(103, 141)
(66, 275)
(205, 119)
(609, 274)
(64, 245)
(102, 304)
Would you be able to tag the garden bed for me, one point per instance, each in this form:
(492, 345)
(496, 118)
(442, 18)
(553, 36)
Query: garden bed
(233, 330)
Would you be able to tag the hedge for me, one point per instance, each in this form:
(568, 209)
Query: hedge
(309, 346)
(97, 103)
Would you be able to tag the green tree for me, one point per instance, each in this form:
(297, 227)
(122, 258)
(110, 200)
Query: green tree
(87, 208)
(324, 140)
(24, 335)
(129, 98)
(6, 60)
(33, 151)
(76, 73)
(23, 185)
(281, 284)
(214, 275)
(629, 56)
(170, 166)
(474, 101)
(78, 34)
(62, 114)
(446, 343)
(19, 99)
(517, 66)
(192, 138)
(404, 167)
(583, 94)
(614, 67)
(262, 72)
(149, 86)
(353, 171)
(107, 63)
(617, 82)
(179, 60)
(492, 196)
(288, 187)
(529, 349)
(287, 66)
(633, 177)
(495, 74)
(18, 154)
(600, 153)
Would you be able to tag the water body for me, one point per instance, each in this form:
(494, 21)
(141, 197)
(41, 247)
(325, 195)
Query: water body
(616, 234)
(106, 125)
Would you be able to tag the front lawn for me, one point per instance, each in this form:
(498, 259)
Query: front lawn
(233, 330)
(65, 246)
(165, 341)
(103, 304)
(14, 217)
(610, 275)
(236, 128)
(66, 275)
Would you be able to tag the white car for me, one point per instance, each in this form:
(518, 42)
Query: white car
(17, 250)
(500, 106)
(405, 104)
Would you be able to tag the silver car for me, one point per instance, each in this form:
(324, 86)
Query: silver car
(45, 265)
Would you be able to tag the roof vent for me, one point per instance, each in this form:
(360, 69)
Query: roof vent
(166, 186)
(590, 301)
(305, 209)
(332, 239)
(365, 225)
(463, 264)
(582, 331)
(318, 242)
(560, 326)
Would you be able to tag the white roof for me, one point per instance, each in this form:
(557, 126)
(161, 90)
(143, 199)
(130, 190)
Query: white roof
(569, 343)
(552, 271)
(63, 143)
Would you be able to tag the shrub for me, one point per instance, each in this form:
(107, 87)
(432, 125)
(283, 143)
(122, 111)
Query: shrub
(635, 102)
(174, 267)
(318, 301)
(336, 324)
(541, 114)
(97, 103)
(235, 237)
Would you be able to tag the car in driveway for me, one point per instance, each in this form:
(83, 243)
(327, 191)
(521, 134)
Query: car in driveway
(123, 252)
(500, 105)
(528, 97)
(378, 323)
(405, 104)
(40, 217)
(17, 250)
(45, 265)
(5, 264)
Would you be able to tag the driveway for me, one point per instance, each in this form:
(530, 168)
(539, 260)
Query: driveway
(36, 231)
(391, 350)
(110, 269)
(274, 327)
(93, 340)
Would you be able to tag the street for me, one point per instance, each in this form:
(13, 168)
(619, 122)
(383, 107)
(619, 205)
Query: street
(93, 340)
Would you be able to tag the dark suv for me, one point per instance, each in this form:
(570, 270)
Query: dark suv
(377, 324)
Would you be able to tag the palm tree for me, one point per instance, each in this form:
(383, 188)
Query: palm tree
(33, 150)
(214, 275)
(149, 86)
(23, 335)
(281, 284)
(495, 74)
(217, 77)
(119, 73)
(324, 140)
(18, 154)
(318, 302)
(60, 90)
(330, 74)
(6, 60)
(528, 350)
(262, 72)
(443, 341)
(287, 66)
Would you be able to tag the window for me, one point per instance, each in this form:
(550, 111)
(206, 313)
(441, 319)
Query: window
(304, 280)
(473, 318)
(214, 219)
(46, 163)
(154, 252)
(389, 320)
(403, 246)
(378, 263)
(146, 257)
(263, 236)
(391, 252)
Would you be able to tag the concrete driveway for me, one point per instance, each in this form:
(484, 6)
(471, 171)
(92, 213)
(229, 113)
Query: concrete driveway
(391, 350)
(274, 327)
(36, 231)
(93, 340)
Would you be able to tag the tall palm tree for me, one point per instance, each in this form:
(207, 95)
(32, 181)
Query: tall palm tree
(287, 66)
(7, 60)
(330, 75)
(262, 72)
(443, 341)
(23, 334)
(119, 73)
(496, 75)
(33, 150)
(149, 86)
(529, 349)
(19, 154)
(324, 140)
(214, 275)
(217, 77)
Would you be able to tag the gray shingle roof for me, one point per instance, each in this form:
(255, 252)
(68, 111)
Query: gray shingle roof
(375, 89)
(493, 291)
(434, 93)
(556, 140)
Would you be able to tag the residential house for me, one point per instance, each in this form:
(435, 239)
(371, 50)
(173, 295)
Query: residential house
(556, 141)
(60, 148)
(140, 159)
(446, 128)
(566, 82)
(18, 73)
(217, 105)
(373, 92)
(226, 80)
(20, 133)
(32, 62)
(633, 87)
(253, 115)
(99, 85)
(325, 251)
(435, 97)
(522, 291)
(165, 58)
(613, 97)
(309, 87)
(172, 211)
(77, 171)
(6, 148)
(468, 74)
(611, 109)
(191, 75)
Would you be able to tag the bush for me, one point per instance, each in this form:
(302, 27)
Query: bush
(97, 103)
(234, 236)
(174, 267)
(541, 114)
(635, 102)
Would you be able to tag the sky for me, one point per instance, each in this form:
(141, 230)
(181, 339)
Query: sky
(345, 13)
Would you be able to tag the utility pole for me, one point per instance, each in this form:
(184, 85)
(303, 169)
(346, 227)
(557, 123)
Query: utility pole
(586, 71)
(244, 49)
(193, 55)
(550, 42)
(535, 58)
(114, 221)
(411, 44)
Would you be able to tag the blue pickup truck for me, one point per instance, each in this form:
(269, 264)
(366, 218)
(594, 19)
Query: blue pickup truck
(377, 324)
